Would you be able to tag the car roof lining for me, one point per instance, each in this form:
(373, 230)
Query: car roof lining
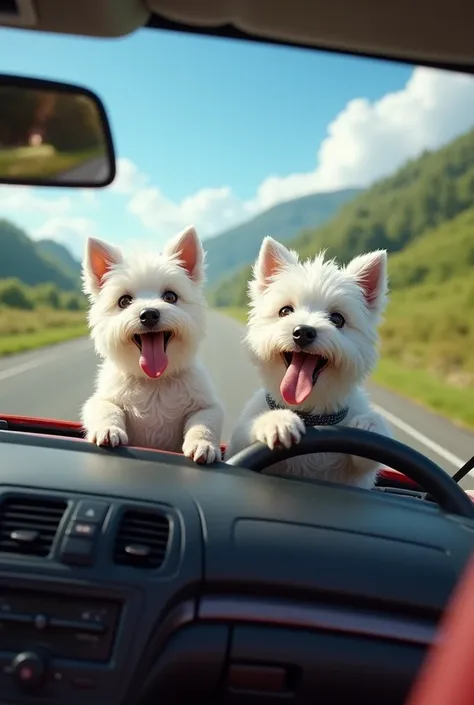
(395, 29)
(361, 26)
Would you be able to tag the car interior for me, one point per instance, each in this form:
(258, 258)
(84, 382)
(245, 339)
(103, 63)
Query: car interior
(131, 576)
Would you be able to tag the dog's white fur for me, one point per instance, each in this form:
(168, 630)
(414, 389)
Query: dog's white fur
(315, 289)
(178, 411)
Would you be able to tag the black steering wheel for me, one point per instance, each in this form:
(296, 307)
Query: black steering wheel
(373, 446)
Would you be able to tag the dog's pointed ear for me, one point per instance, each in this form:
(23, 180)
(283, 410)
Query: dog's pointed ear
(99, 258)
(370, 273)
(187, 248)
(272, 259)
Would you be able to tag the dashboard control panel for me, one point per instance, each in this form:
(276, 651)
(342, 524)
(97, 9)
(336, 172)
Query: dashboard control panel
(79, 544)
(49, 641)
(66, 627)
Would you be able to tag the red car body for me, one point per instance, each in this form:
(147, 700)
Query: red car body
(73, 429)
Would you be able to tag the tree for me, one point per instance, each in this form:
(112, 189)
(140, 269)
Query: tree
(17, 116)
(14, 295)
(75, 124)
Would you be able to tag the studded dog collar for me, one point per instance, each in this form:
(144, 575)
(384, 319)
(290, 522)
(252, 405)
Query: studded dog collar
(312, 419)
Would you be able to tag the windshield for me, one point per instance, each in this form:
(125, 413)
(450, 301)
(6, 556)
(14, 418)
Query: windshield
(243, 140)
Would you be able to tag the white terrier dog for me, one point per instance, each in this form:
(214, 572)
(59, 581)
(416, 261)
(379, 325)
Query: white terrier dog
(312, 333)
(147, 317)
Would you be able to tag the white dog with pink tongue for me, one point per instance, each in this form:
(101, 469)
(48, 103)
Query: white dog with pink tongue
(312, 333)
(147, 317)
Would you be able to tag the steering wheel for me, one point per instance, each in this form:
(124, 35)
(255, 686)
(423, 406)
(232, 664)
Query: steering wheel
(370, 445)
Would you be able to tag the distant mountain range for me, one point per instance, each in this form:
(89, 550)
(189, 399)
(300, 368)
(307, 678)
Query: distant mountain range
(35, 262)
(232, 249)
(38, 262)
(61, 255)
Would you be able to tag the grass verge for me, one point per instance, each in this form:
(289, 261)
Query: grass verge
(26, 330)
(28, 163)
(239, 314)
(454, 403)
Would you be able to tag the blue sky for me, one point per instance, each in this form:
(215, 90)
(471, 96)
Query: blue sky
(192, 113)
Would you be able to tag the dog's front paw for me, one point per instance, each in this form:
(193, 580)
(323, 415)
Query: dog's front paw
(278, 427)
(108, 436)
(365, 422)
(201, 451)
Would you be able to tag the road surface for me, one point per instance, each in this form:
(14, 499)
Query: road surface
(94, 171)
(55, 382)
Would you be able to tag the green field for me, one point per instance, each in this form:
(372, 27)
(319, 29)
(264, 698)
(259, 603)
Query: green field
(27, 330)
(41, 162)
(35, 316)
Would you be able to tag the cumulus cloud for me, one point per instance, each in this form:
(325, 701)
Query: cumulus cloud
(26, 200)
(129, 178)
(365, 141)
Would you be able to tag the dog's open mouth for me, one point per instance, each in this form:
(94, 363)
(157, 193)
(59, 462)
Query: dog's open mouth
(153, 357)
(302, 372)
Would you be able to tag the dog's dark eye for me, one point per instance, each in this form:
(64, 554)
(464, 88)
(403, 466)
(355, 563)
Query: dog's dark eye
(170, 297)
(337, 319)
(124, 301)
(285, 311)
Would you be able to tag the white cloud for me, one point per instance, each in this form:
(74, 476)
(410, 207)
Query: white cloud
(210, 208)
(71, 232)
(366, 141)
(89, 197)
(128, 178)
(26, 200)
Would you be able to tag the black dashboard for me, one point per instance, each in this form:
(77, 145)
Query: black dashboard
(133, 577)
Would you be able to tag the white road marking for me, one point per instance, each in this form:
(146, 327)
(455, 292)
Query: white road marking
(421, 438)
(32, 364)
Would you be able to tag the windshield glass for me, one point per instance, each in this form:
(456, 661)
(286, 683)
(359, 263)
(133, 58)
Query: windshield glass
(243, 140)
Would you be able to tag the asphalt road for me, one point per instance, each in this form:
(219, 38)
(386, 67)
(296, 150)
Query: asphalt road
(94, 171)
(55, 382)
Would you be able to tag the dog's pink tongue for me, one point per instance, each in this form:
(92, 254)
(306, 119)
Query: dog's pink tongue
(297, 383)
(153, 358)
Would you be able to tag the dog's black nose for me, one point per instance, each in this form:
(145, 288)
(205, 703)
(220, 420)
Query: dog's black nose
(149, 317)
(304, 335)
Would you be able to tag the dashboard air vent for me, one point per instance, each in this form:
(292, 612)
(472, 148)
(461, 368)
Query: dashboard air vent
(28, 525)
(142, 539)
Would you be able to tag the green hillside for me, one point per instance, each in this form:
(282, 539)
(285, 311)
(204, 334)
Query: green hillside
(60, 255)
(30, 262)
(240, 245)
(40, 298)
(429, 321)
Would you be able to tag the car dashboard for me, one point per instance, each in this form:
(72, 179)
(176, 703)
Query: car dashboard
(132, 576)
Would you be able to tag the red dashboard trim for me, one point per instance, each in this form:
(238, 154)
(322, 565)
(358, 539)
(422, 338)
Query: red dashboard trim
(387, 474)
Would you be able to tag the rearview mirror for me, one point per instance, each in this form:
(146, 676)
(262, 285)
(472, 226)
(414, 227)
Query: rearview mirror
(53, 134)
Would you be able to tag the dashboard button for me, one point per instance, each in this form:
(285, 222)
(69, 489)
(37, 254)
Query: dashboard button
(28, 669)
(257, 678)
(77, 551)
(91, 511)
(83, 529)
(83, 683)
